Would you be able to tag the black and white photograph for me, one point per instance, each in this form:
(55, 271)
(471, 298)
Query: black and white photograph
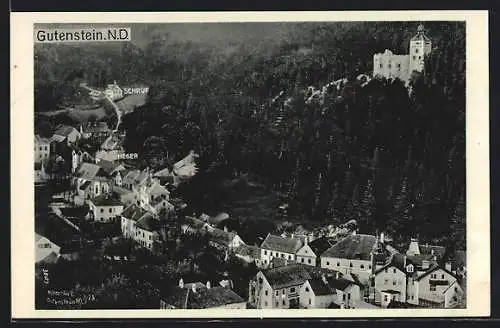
(250, 165)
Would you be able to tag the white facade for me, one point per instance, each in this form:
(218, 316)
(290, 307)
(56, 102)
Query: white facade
(42, 149)
(267, 255)
(103, 213)
(305, 255)
(390, 65)
(361, 268)
(44, 247)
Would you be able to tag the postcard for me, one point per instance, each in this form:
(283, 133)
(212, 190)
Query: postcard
(250, 164)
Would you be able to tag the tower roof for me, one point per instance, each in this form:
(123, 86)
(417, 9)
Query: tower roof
(420, 36)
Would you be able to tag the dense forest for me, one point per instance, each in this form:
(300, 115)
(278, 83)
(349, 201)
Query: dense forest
(392, 159)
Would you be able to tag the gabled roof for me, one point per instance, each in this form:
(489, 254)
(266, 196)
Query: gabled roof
(340, 283)
(281, 244)
(38, 237)
(320, 245)
(135, 177)
(106, 200)
(110, 167)
(133, 212)
(89, 171)
(434, 268)
(162, 173)
(65, 130)
(185, 298)
(438, 251)
(420, 36)
(320, 288)
(148, 223)
(222, 237)
(354, 247)
(285, 276)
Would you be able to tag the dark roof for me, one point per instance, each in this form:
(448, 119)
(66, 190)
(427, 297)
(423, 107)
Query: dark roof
(109, 166)
(221, 237)
(420, 36)
(148, 223)
(284, 276)
(320, 245)
(434, 268)
(89, 171)
(49, 259)
(185, 298)
(280, 244)
(459, 259)
(135, 177)
(106, 200)
(340, 283)
(320, 288)
(133, 212)
(396, 260)
(355, 247)
(77, 212)
(294, 274)
(64, 130)
(247, 250)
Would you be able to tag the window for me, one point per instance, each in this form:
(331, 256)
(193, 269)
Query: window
(442, 276)
(432, 288)
(292, 290)
(394, 282)
(309, 301)
(412, 296)
(380, 65)
(306, 251)
(102, 210)
(266, 293)
(40, 148)
(338, 263)
(265, 252)
(385, 298)
(284, 302)
(309, 261)
(110, 210)
(282, 255)
(350, 265)
(419, 57)
(277, 293)
(289, 257)
(302, 260)
(386, 270)
(343, 297)
(277, 304)
(307, 289)
(386, 281)
(369, 266)
(394, 270)
(414, 57)
(327, 263)
(265, 303)
(348, 296)
(150, 237)
(416, 50)
(390, 66)
(362, 266)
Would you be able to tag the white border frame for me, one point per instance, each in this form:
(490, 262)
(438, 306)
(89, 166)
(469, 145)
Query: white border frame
(477, 158)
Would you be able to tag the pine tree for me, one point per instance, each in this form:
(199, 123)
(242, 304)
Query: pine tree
(368, 205)
(458, 224)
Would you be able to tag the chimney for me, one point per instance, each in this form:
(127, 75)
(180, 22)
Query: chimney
(432, 251)
(323, 277)
(193, 287)
(208, 284)
(382, 237)
(306, 240)
(181, 283)
(225, 228)
(354, 232)
(447, 266)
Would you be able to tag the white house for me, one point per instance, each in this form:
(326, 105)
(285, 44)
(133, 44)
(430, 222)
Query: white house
(279, 247)
(45, 250)
(42, 149)
(113, 91)
(140, 225)
(66, 133)
(353, 254)
(310, 253)
(105, 208)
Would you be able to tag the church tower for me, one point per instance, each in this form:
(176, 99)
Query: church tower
(420, 46)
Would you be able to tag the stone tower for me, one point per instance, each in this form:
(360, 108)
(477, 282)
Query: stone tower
(420, 46)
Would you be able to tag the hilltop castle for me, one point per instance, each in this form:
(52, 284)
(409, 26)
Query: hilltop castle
(389, 65)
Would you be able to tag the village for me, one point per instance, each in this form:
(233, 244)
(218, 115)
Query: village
(331, 267)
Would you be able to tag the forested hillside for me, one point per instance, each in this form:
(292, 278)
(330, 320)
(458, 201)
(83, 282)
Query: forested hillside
(390, 159)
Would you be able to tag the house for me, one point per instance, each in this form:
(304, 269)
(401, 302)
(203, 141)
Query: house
(41, 175)
(391, 280)
(67, 134)
(201, 296)
(277, 246)
(91, 181)
(325, 291)
(438, 288)
(134, 177)
(310, 253)
(108, 155)
(95, 130)
(224, 239)
(113, 91)
(248, 253)
(111, 168)
(279, 287)
(186, 167)
(353, 254)
(147, 231)
(191, 224)
(45, 250)
(129, 217)
(149, 193)
(42, 149)
(105, 208)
